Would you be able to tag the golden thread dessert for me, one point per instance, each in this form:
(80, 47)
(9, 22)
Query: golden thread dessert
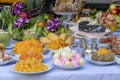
(30, 65)
(26, 56)
(32, 45)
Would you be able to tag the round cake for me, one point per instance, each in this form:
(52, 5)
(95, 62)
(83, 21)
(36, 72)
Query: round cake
(103, 55)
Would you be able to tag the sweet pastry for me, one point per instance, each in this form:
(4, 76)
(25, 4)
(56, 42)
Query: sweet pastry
(44, 40)
(69, 40)
(52, 36)
(63, 36)
(57, 44)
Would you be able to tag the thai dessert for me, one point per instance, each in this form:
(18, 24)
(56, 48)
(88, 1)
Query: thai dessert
(67, 57)
(103, 55)
(3, 55)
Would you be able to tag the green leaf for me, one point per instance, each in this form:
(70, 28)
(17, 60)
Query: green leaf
(17, 34)
(39, 31)
(10, 29)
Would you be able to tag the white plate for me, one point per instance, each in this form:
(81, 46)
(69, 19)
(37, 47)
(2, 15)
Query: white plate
(100, 63)
(6, 62)
(49, 68)
(69, 67)
(65, 13)
(10, 46)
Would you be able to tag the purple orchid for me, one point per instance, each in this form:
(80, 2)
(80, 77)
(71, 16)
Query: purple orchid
(17, 8)
(53, 25)
(20, 22)
(15, 11)
(19, 5)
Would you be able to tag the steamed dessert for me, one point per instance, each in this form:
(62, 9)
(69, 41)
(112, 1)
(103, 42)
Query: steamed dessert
(103, 55)
(67, 57)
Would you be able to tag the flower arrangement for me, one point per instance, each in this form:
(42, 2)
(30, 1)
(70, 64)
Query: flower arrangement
(23, 22)
(16, 19)
(53, 25)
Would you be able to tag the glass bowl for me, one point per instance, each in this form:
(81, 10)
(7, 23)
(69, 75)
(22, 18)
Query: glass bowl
(4, 37)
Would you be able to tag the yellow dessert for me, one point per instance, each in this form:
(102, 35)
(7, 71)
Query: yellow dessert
(30, 65)
(32, 45)
(103, 55)
(31, 56)
(103, 51)
(57, 44)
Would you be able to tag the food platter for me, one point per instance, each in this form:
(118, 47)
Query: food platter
(66, 39)
(49, 68)
(99, 62)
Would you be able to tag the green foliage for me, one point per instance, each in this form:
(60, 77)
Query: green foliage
(35, 4)
(17, 34)
(8, 17)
